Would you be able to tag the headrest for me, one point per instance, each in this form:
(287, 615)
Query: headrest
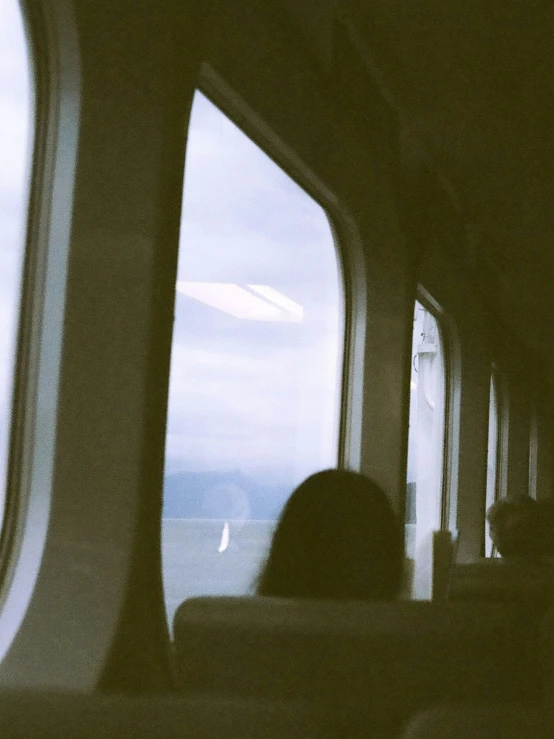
(503, 580)
(348, 619)
(379, 660)
(483, 721)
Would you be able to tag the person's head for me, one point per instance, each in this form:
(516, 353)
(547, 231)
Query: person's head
(512, 526)
(337, 538)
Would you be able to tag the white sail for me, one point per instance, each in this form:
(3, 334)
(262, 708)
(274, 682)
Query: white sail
(224, 538)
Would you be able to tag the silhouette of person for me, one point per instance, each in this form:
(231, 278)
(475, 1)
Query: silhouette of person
(337, 538)
(513, 526)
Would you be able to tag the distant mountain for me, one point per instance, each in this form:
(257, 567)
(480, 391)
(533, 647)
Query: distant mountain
(216, 495)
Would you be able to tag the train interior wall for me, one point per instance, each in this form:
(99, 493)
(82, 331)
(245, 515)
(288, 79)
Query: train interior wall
(85, 605)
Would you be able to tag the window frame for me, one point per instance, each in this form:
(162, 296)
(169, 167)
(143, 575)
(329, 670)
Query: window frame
(55, 71)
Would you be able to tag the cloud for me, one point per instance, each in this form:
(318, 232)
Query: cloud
(243, 215)
(14, 138)
(218, 393)
(253, 395)
(15, 96)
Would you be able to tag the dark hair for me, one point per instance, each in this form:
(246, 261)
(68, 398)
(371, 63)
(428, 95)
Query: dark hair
(513, 526)
(337, 537)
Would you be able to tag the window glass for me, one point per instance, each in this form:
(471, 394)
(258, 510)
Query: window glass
(503, 399)
(533, 452)
(544, 452)
(15, 100)
(492, 457)
(256, 359)
(425, 446)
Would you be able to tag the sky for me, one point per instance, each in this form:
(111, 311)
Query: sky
(260, 396)
(15, 140)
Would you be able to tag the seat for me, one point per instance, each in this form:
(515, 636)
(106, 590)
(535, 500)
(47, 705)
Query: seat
(380, 662)
(503, 581)
(480, 722)
(49, 715)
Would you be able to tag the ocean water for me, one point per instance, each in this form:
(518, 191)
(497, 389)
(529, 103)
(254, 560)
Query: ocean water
(211, 557)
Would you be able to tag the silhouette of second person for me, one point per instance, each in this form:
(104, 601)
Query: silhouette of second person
(337, 538)
(513, 527)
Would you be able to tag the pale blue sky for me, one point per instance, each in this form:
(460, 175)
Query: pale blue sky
(254, 395)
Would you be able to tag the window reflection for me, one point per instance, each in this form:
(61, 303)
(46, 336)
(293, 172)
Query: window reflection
(15, 99)
(425, 446)
(491, 493)
(256, 359)
(533, 452)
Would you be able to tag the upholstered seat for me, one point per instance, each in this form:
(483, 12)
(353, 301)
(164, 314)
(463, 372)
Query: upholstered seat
(480, 722)
(382, 661)
(503, 581)
(53, 715)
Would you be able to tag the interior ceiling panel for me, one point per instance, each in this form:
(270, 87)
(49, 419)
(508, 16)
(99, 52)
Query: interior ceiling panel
(478, 79)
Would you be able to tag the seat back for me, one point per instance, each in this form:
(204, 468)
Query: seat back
(51, 715)
(385, 660)
(482, 721)
(503, 581)
(445, 547)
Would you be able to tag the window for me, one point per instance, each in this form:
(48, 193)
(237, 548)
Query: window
(503, 408)
(544, 451)
(255, 381)
(424, 499)
(533, 452)
(15, 100)
(491, 493)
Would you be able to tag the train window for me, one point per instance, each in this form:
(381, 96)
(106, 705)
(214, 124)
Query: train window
(503, 408)
(15, 135)
(533, 452)
(255, 380)
(425, 444)
(491, 492)
(544, 452)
